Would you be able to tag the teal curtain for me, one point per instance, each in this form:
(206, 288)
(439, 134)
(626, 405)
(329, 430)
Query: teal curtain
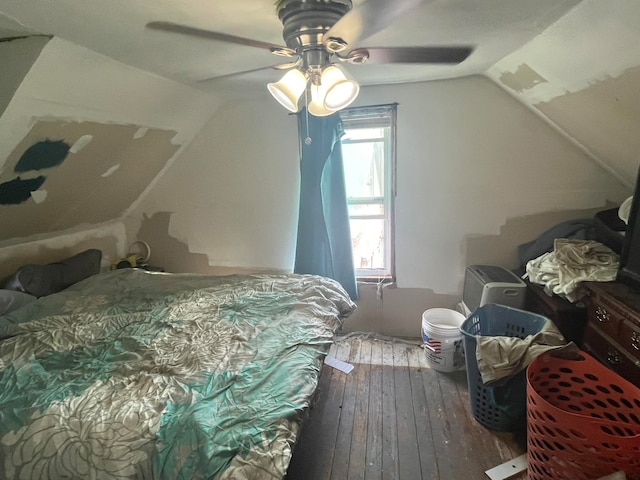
(324, 239)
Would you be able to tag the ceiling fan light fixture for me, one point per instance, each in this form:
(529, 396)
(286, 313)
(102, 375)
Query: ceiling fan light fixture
(339, 89)
(288, 90)
(316, 105)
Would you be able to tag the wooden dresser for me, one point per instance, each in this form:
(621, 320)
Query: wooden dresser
(612, 333)
(568, 317)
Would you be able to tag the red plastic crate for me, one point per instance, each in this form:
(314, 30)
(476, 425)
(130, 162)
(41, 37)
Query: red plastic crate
(583, 420)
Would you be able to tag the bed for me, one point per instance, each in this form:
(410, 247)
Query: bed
(130, 374)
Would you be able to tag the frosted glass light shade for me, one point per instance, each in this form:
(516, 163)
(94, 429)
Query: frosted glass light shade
(340, 91)
(288, 90)
(316, 105)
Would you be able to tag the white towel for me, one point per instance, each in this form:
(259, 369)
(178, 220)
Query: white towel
(572, 262)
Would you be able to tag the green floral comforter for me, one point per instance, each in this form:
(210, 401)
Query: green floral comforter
(130, 374)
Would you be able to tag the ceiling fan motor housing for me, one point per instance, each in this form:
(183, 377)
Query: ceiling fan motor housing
(306, 21)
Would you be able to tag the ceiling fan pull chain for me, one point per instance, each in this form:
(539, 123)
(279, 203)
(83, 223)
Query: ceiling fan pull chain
(307, 141)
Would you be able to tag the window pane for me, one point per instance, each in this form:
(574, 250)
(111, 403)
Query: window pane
(368, 150)
(366, 209)
(368, 243)
(362, 134)
(364, 169)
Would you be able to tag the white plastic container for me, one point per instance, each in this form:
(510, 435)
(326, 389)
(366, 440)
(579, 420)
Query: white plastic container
(443, 346)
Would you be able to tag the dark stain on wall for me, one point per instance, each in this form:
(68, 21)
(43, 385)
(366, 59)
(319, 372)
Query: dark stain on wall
(44, 154)
(40, 155)
(18, 190)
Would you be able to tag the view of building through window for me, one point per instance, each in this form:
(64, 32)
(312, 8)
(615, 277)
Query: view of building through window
(368, 155)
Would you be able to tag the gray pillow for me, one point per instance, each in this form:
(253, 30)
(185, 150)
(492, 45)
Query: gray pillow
(11, 300)
(41, 280)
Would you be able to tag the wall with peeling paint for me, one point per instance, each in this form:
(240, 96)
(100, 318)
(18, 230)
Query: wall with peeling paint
(582, 75)
(478, 174)
(81, 140)
(484, 163)
(230, 202)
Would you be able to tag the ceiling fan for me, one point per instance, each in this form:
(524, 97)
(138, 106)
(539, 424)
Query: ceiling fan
(321, 34)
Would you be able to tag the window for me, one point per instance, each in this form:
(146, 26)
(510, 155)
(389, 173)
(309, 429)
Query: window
(368, 151)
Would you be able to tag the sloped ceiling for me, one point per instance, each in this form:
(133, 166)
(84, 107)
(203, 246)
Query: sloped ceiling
(82, 156)
(117, 29)
(583, 75)
(575, 63)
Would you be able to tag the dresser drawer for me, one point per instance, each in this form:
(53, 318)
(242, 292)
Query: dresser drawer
(611, 353)
(629, 338)
(602, 315)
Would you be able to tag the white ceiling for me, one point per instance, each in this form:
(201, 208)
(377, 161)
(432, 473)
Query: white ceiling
(116, 28)
(576, 63)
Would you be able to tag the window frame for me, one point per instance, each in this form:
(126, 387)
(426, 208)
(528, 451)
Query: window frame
(374, 117)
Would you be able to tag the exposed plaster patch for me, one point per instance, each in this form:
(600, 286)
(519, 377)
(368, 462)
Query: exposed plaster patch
(82, 142)
(39, 196)
(593, 42)
(522, 79)
(141, 132)
(606, 118)
(78, 188)
(110, 171)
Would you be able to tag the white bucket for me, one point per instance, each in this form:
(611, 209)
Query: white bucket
(442, 339)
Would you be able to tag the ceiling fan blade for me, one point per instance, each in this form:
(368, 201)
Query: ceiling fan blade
(380, 55)
(211, 35)
(235, 74)
(368, 18)
(280, 66)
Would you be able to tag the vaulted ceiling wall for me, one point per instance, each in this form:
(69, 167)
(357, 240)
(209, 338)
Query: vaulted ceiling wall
(81, 139)
(581, 75)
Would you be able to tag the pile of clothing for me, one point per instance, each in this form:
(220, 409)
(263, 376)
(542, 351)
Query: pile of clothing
(572, 262)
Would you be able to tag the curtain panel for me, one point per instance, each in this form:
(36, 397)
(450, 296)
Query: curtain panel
(324, 239)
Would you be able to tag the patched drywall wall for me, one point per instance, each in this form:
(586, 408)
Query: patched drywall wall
(63, 174)
(472, 163)
(605, 117)
(230, 202)
(501, 248)
(174, 255)
(582, 75)
(115, 130)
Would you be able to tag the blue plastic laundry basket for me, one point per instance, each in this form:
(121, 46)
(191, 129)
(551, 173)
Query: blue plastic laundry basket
(509, 413)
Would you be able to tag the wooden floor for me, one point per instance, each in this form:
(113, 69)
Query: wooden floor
(394, 417)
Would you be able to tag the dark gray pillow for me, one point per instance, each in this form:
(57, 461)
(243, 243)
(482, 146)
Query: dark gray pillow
(41, 280)
(10, 300)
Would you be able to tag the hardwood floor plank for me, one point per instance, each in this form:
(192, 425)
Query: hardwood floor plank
(428, 462)
(373, 467)
(329, 419)
(407, 441)
(394, 417)
(501, 446)
(340, 467)
(468, 438)
(358, 456)
(444, 454)
(389, 425)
